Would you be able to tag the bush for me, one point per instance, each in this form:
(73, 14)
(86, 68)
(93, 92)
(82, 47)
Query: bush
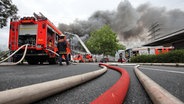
(143, 58)
(175, 56)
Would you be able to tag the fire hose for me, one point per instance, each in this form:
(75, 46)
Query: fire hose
(35, 92)
(56, 54)
(53, 52)
(26, 45)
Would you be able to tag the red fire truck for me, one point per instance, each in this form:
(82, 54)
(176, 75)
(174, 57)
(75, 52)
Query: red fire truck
(39, 33)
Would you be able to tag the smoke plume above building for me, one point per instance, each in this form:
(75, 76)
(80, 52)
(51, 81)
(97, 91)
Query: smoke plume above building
(131, 24)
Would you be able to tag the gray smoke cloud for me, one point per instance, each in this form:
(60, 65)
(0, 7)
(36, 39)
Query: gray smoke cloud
(130, 24)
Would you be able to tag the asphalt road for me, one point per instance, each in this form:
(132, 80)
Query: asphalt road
(136, 93)
(22, 75)
(171, 78)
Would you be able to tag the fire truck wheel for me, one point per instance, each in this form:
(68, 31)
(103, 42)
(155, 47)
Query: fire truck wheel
(32, 62)
(52, 60)
(15, 59)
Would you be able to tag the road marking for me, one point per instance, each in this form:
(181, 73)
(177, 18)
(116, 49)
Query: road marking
(179, 72)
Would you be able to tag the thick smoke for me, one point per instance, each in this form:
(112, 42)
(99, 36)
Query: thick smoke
(169, 21)
(132, 25)
(125, 20)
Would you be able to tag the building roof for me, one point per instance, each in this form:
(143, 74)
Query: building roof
(170, 38)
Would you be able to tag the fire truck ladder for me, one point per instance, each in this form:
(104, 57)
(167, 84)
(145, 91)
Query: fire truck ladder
(39, 16)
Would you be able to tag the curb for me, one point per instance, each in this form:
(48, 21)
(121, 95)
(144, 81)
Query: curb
(124, 64)
(32, 93)
(164, 64)
(157, 94)
(117, 93)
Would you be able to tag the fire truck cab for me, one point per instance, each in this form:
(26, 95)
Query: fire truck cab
(39, 33)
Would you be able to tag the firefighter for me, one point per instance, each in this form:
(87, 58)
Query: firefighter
(62, 45)
(121, 57)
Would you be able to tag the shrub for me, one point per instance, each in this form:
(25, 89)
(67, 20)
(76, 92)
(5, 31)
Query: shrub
(175, 56)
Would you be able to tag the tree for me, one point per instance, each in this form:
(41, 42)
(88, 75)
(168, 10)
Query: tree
(7, 9)
(103, 41)
(120, 47)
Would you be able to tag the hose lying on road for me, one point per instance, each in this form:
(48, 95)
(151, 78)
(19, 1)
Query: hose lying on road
(26, 45)
(32, 93)
(157, 94)
(117, 93)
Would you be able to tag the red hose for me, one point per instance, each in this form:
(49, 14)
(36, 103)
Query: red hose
(117, 93)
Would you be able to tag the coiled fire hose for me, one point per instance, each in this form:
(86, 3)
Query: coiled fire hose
(26, 45)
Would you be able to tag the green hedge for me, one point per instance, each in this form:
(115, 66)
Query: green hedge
(175, 56)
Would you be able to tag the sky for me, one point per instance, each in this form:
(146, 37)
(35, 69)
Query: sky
(66, 11)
